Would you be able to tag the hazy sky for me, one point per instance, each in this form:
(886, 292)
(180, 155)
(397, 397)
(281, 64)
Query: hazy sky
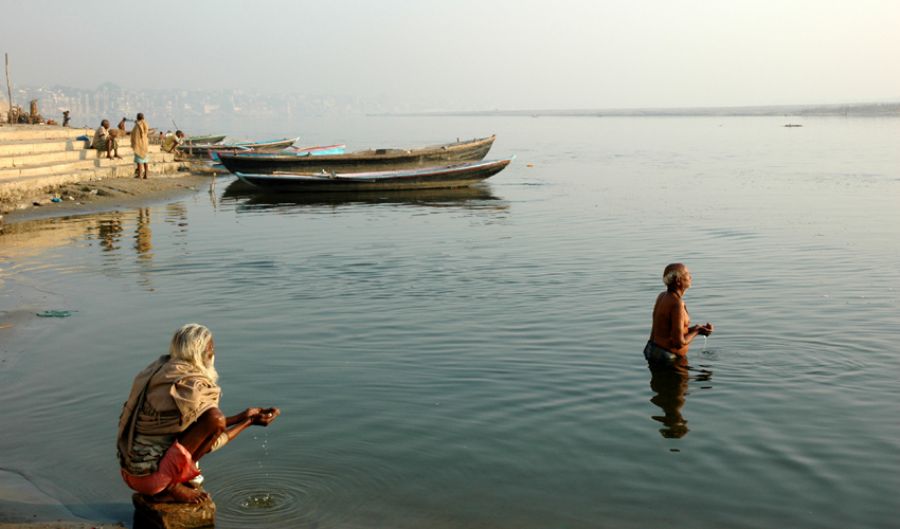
(471, 54)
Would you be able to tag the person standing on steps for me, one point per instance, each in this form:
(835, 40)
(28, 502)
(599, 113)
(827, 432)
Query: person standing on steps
(140, 144)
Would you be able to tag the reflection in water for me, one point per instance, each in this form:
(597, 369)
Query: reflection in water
(143, 242)
(670, 387)
(176, 213)
(250, 198)
(213, 194)
(33, 238)
(109, 230)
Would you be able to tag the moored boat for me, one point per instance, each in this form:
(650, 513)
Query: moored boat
(368, 160)
(436, 177)
(210, 138)
(268, 145)
(317, 150)
(204, 150)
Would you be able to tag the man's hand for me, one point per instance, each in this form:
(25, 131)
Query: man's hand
(705, 330)
(263, 416)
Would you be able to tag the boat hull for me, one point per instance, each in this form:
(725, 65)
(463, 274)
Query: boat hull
(360, 161)
(441, 177)
(274, 145)
(204, 150)
(318, 150)
(196, 140)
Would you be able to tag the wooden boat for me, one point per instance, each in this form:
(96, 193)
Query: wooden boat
(369, 160)
(435, 177)
(317, 150)
(269, 145)
(204, 150)
(203, 139)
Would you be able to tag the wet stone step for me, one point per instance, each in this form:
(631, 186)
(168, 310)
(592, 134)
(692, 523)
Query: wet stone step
(149, 514)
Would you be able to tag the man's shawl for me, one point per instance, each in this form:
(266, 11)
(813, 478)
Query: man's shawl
(140, 139)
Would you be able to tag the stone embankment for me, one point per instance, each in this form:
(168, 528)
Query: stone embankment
(36, 160)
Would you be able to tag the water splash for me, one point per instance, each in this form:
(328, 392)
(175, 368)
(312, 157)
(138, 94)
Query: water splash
(262, 500)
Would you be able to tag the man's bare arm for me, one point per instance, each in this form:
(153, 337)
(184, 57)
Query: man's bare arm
(236, 424)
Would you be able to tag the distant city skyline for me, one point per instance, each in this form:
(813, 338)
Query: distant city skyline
(471, 55)
(171, 107)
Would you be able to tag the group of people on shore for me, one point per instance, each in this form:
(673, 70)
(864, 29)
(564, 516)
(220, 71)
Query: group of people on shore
(172, 418)
(107, 140)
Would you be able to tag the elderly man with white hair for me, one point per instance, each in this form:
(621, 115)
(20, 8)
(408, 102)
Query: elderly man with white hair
(172, 418)
(672, 332)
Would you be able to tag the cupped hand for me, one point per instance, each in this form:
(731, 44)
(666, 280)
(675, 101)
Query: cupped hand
(265, 416)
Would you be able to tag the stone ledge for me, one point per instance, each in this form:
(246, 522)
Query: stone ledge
(81, 160)
(21, 147)
(40, 132)
(152, 515)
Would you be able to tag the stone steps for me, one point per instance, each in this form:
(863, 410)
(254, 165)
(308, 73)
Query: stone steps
(77, 160)
(40, 132)
(25, 160)
(25, 147)
(35, 158)
(125, 152)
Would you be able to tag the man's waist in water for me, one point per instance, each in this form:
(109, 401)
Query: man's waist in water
(666, 349)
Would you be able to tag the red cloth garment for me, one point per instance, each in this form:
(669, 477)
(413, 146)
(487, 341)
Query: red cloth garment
(177, 466)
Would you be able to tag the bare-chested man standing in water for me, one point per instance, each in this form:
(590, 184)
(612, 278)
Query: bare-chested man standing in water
(672, 331)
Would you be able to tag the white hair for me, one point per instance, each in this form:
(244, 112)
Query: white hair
(189, 344)
(673, 273)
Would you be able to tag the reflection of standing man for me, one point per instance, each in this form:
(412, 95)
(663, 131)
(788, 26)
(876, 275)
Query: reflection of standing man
(670, 387)
(143, 241)
(140, 144)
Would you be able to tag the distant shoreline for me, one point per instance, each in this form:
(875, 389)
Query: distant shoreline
(847, 110)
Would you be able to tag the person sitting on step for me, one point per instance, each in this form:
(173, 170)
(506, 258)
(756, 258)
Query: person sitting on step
(172, 418)
(104, 141)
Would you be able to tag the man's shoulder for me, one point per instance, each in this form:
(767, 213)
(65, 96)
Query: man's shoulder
(666, 300)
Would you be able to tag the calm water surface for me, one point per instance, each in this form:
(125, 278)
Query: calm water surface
(473, 358)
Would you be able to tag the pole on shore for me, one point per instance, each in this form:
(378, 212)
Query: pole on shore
(8, 84)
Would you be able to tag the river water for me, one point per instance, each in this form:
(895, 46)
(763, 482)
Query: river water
(473, 358)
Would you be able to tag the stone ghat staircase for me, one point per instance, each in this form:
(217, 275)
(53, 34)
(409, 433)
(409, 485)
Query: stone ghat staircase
(38, 158)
